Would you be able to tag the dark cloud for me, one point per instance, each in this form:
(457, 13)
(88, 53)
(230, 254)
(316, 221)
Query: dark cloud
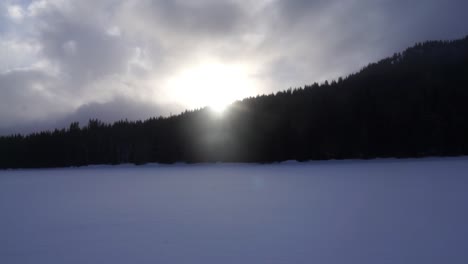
(117, 109)
(211, 18)
(295, 10)
(24, 97)
(84, 52)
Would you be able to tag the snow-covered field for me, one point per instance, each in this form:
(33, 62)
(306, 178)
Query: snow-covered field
(379, 211)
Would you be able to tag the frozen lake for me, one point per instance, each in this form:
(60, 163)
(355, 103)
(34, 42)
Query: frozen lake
(379, 211)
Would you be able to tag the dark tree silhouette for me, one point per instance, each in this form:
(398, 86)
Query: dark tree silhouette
(412, 104)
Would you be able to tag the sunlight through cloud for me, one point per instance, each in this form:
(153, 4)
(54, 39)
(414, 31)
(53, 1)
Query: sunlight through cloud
(211, 84)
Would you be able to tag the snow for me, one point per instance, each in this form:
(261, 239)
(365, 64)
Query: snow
(376, 211)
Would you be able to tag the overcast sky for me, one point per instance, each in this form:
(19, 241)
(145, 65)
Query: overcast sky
(64, 60)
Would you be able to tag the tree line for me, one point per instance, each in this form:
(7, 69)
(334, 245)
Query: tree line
(412, 104)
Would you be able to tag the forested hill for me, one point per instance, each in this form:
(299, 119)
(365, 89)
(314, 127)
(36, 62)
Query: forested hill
(412, 104)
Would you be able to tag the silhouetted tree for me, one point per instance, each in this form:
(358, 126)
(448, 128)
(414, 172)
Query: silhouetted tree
(412, 104)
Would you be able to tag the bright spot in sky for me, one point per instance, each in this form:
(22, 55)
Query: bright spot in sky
(211, 84)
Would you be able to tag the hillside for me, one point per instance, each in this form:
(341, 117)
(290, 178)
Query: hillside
(412, 104)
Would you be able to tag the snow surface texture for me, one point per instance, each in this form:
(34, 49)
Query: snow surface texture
(380, 211)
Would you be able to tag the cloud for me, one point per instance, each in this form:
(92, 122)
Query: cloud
(201, 18)
(16, 13)
(62, 60)
(118, 109)
(26, 96)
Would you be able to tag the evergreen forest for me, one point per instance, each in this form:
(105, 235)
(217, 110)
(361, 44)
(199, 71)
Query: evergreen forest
(412, 104)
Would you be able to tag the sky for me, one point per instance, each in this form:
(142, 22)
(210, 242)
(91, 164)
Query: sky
(64, 60)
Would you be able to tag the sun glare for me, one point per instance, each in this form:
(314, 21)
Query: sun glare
(215, 85)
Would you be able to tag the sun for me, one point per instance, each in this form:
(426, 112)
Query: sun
(211, 84)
